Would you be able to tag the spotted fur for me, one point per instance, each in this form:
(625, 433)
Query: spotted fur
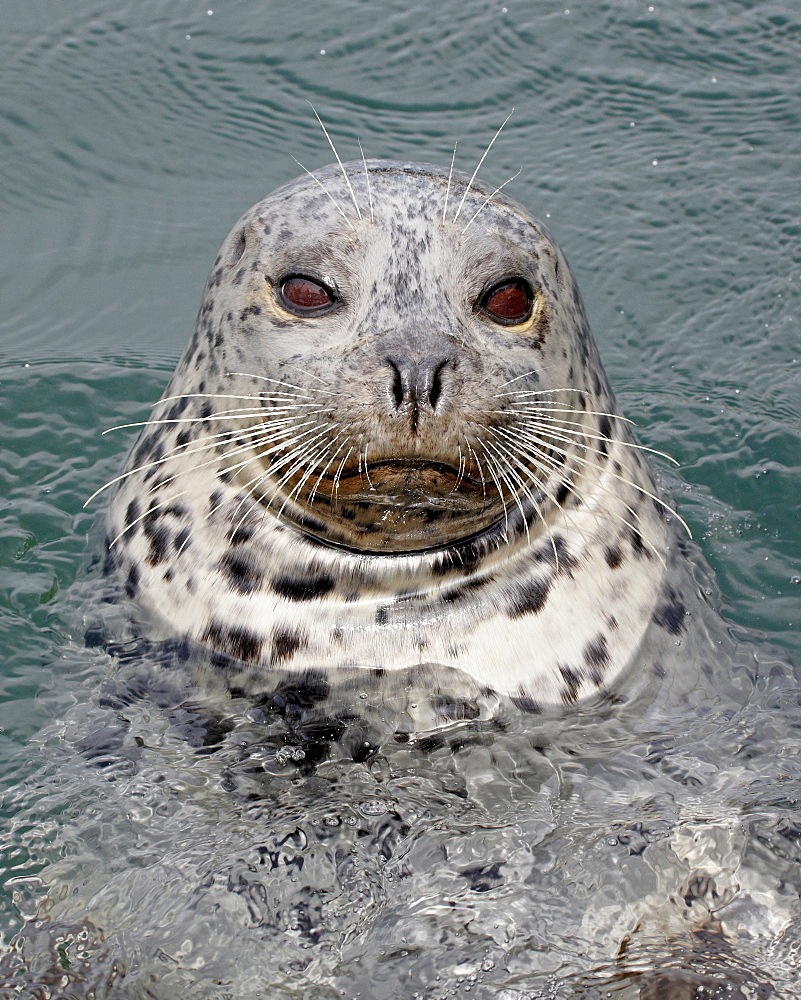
(536, 577)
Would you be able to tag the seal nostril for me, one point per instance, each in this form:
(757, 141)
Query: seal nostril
(436, 385)
(397, 383)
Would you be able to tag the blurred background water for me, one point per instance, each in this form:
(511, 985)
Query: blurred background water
(659, 141)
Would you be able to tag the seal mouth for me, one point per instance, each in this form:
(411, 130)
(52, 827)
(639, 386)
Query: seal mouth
(406, 477)
(391, 504)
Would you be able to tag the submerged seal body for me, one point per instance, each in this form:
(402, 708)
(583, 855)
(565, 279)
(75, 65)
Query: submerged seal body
(390, 442)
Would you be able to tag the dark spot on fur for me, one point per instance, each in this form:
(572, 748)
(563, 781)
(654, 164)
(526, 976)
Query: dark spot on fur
(239, 534)
(110, 561)
(239, 571)
(205, 409)
(159, 538)
(312, 524)
(596, 656)
(297, 589)
(131, 513)
(637, 544)
(382, 615)
(555, 552)
(132, 582)
(613, 556)
(671, 614)
(561, 493)
(286, 642)
(529, 598)
(182, 539)
(239, 643)
(572, 684)
(526, 703)
(605, 430)
(254, 310)
(463, 591)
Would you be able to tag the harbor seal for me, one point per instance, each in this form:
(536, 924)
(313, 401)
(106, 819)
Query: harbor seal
(390, 448)
(391, 442)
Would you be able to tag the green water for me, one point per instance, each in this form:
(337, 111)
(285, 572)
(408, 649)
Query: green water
(660, 142)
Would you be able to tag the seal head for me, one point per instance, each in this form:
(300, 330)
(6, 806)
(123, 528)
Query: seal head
(390, 442)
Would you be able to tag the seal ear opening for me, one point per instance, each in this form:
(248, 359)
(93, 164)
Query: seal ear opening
(237, 249)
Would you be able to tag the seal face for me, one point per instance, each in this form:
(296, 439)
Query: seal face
(390, 442)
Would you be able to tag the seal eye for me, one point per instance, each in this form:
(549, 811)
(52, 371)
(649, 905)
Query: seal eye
(508, 302)
(304, 296)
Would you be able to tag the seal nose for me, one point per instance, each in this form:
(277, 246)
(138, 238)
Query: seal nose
(417, 384)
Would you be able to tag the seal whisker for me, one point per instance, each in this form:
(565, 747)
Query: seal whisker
(493, 475)
(252, 484)
(448, 188)
(336, 154)
(542, 462)
(328, 465)
(337, 475)
(299, 458)
(312, 462)
(489, 198)
(511, 457)
(536, 392)
(322, 186)
(553, 427)
(553, 406)
(271, 435)
(478, 465)
(303, 371)
(533, 371)
(239, 414)
(478, 167)
(542, 459)
(216, 395)
(539, 459)
(460, 470)
(628, 482)
(502, 456)
(291, 385)
(367, 179)
(366, 470)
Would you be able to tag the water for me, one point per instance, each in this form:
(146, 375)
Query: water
(661, 147)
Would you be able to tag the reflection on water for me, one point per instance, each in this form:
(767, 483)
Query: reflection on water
(386, 839)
